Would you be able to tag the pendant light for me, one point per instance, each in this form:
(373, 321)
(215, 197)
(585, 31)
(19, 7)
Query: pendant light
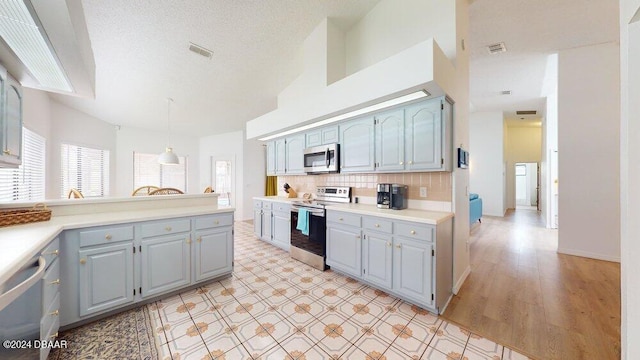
(168, 157)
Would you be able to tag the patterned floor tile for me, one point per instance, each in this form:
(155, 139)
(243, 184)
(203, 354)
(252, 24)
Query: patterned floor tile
(510, 354)
(275, 353)
(484, 346)
(399, 353)
(221, 342)
(433, 354)
(296, 345)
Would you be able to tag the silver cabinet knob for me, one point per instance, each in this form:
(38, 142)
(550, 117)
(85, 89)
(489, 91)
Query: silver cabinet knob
(401, 162)
(108, 236)
(413, 232)
(377, 225)
(398, 246)
(168, 228)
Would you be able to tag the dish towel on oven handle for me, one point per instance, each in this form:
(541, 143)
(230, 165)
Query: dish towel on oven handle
(303, 221)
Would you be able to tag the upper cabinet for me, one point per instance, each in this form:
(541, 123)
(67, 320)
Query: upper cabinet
(10, 120)
(357, 143)
(408, 137)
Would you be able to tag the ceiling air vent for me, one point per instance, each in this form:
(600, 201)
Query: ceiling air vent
(496, 48)
(526, 112)
(200, 50)
(505, 92)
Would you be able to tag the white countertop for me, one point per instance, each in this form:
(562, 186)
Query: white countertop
(421, 216)
(19, 243)
(280, 199)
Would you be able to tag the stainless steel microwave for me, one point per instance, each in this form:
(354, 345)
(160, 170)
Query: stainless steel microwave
(322, 159)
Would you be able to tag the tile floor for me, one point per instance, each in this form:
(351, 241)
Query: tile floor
(274, 307)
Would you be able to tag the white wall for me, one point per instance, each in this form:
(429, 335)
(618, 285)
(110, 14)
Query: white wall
(77, 128)
(254, 175)
(630, 177)
(146, 141)
(389, 28)
(523, 146)
(549, 163)
(486, 153)
(589, 151)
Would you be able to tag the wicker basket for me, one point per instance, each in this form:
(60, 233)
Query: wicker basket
(39, 212)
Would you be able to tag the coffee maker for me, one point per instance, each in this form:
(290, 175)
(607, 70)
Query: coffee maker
(392, 196)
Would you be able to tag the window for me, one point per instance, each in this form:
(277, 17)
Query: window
(85, 169)
(147, 171)
(27, 181)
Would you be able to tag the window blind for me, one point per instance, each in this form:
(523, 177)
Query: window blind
(27, 182)
(147, 171)
(85, 169)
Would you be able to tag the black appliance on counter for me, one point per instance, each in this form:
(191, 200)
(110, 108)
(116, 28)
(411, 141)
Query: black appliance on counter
(392, 196)
(311, 248)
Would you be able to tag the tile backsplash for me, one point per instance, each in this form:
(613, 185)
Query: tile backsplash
(438, 184)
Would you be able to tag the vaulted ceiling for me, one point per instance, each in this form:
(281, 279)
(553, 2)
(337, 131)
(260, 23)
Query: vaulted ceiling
(142, 57)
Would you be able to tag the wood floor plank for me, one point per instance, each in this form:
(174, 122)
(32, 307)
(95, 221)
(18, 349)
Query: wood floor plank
(523, 294)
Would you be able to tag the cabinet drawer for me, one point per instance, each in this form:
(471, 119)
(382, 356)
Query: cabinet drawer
(343, 218)
(280, 207)
(206, 222)
(50, 285)
(257, 204)
(414, 231)
(52, 251)
(106, 235)
(165, 227)
(50, 321)
(266, 205)
(377, 224)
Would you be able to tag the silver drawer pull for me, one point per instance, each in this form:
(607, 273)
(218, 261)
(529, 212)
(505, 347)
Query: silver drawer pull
(55, 313)
(216, 222)
(357, 236)
(340, 219)
(55, 282)
(388, 244)
(401, 162)
(413, 232)
(108, 236)
(168, 228)
(54, 252)
(54, 335)
(377, 225)
(398, 246)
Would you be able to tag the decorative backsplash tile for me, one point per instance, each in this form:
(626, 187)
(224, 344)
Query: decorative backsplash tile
(438, 184)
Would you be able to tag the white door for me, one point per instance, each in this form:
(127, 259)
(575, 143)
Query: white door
(223, 179)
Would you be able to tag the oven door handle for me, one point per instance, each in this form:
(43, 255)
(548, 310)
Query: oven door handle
(319, 213)
(326, 157)
(10, 295)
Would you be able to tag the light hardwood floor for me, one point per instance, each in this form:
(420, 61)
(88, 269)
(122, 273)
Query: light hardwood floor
(523, 294)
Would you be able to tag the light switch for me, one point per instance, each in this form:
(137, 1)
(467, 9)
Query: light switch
(423, 192)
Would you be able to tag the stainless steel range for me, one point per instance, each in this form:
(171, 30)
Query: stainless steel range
(309, 234)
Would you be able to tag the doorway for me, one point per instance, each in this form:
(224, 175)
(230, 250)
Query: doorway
(222, 179)
(527, 186)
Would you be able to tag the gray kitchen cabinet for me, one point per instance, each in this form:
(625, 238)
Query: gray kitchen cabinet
(281, 229)
(408, 259)
(257, 218)
(357, 144)
(166, 264)
(50, 321)
(280, 157)
(344, 247)
(413, 270)
(377, 258)
(294, 164)
(322, 136)
(424, 135)
(213, 253)
(271, 158)
(10, 120)
(390, 140)
(105, 277)
(262, 220)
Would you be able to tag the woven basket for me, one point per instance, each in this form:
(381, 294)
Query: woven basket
(39, 212)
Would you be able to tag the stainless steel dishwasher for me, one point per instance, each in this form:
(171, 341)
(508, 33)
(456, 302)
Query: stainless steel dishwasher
(21, 312)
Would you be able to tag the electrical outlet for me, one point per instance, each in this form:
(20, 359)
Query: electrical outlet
(423, 191)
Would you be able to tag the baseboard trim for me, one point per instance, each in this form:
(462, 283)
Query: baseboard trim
(588, 255)
(461, 280)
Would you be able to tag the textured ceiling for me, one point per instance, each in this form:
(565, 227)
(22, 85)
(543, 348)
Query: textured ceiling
(531, 30)
(142, 58)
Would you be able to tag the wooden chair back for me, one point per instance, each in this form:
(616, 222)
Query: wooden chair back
(75, 193)
(144, 190)
(208, 190)
(166, 191)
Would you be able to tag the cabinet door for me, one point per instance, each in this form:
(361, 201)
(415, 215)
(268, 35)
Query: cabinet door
(424, 135)
(390, 141)
(313, 138)
(257, 222)
(166, 264)
(344, 250)
(271, 158)
(282, 230)
(266, 225)
(412, 270)
(12, 123)
(377, 257)
(295, 158)
(357, 145)
(106, 277)
(281, 157)
(329, 135)
(213, 253)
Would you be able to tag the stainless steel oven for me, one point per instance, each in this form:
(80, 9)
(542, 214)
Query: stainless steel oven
(322, 159)
(309, 233)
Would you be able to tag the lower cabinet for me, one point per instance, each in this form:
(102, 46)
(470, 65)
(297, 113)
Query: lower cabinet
(272, 222)
(410, 260)
(166, 264)
(106, 277)
(108, 267)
